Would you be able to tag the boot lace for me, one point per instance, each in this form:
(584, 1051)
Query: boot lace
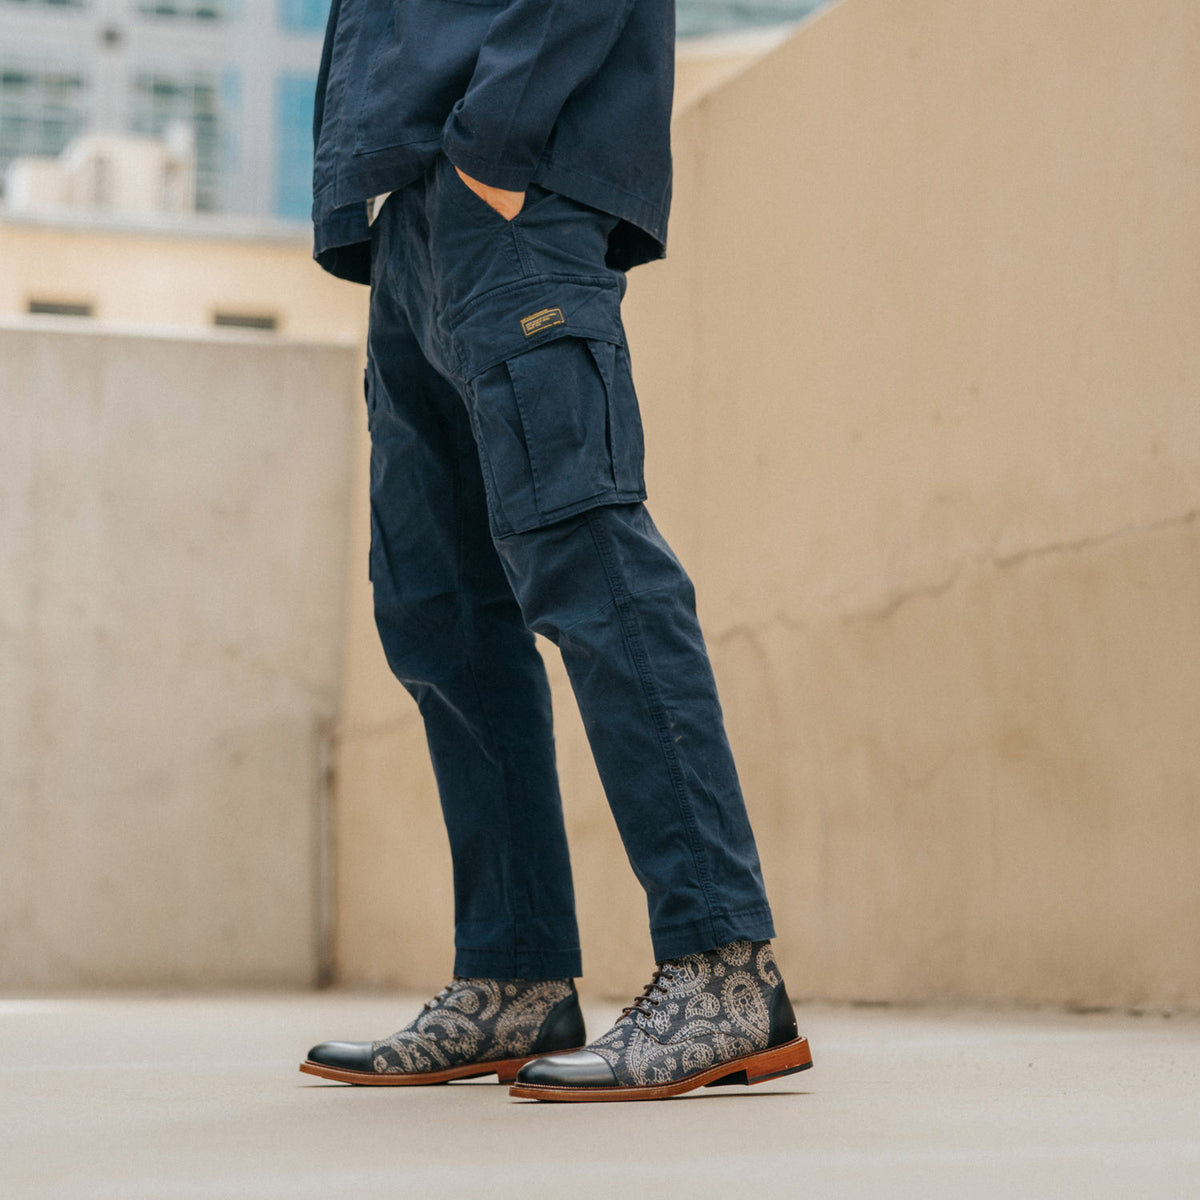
(654, 992)
(443, 995)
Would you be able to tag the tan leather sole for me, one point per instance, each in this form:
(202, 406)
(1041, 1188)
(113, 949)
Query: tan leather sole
(758, 1067)
(506, 1069)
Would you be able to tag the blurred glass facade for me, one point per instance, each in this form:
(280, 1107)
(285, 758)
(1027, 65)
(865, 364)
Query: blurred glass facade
(43, 104)
(293, 146)
(694, 18)
(241, 73)
(304, 16)
(159, 98)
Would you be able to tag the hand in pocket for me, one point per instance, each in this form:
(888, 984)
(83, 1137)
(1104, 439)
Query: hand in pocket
(507, 204)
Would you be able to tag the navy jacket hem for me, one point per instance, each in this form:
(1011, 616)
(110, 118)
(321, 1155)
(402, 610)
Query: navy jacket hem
(342, 234)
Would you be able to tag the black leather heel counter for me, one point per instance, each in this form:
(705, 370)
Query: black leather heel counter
(783, 1017)
(563, 1027)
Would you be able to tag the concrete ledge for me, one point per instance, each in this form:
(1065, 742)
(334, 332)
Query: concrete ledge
(172, 556)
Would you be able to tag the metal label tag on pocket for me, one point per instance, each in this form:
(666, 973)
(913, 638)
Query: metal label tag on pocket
(543, 319)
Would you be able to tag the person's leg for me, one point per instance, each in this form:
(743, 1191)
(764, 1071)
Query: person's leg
(528, 325)
(454, 635)
(530, 329)
(605, 586)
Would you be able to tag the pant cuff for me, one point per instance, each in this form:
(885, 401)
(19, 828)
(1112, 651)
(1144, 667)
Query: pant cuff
(563, 963)
(754, 924)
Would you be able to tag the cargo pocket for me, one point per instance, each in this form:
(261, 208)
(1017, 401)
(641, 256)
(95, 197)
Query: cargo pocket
(552, 403)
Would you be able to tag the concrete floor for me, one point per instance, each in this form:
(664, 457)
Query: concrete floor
(130, 1097)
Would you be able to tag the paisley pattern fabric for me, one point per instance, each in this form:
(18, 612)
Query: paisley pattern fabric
(472, 1020)
(697, 1011)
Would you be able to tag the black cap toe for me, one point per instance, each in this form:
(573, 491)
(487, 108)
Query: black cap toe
(347, 1056)
(584, 1069)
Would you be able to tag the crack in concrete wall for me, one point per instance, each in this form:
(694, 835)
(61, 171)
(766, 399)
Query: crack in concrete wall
(1003, 562)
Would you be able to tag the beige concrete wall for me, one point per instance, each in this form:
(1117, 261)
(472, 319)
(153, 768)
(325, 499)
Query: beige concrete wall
(920, 384)
(172, 558)
(703, 64)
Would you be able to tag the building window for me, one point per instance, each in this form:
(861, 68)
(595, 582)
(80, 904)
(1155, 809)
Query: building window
(60, 308)
(41, 109)
(293, 145)
(160, 98)
(187, 10)
(235, 320)
(303, 16)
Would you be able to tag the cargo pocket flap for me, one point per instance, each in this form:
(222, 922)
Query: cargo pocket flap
(510, 320)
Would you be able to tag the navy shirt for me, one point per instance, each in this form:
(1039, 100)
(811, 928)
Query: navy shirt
(574, 95)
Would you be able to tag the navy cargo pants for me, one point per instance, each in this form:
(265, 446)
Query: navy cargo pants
(506, 497)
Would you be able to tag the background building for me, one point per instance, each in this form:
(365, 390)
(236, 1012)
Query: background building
(240, 73)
